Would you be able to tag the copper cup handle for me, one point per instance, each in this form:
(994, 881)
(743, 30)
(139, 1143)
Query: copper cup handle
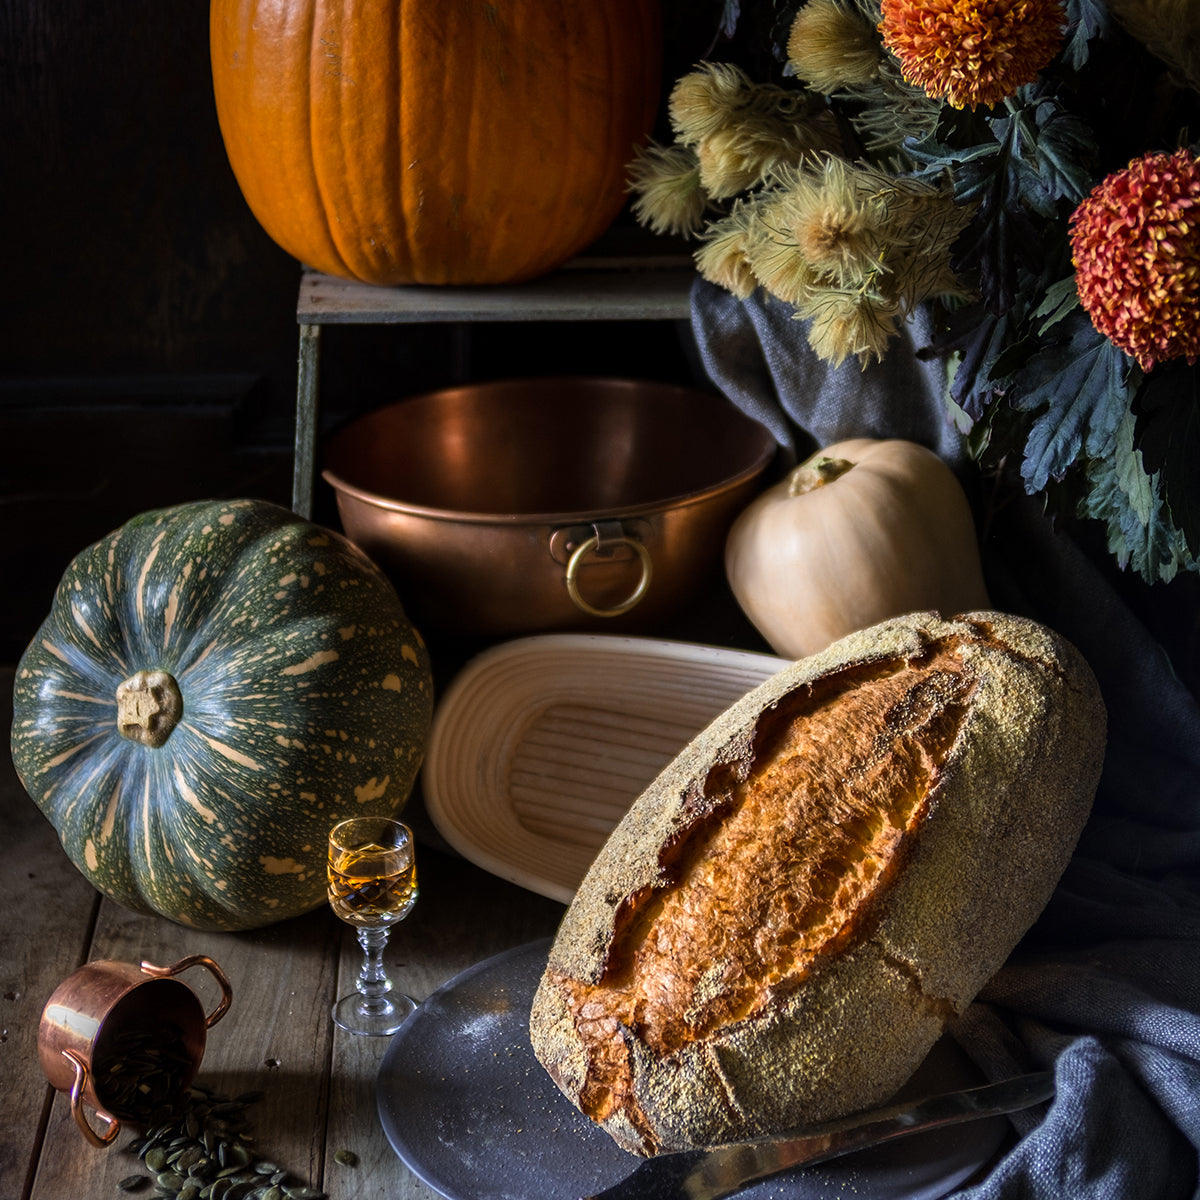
(582, 551)
(77, 1086)
(198, 960)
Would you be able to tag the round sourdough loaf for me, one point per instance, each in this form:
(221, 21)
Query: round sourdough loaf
(783, 923)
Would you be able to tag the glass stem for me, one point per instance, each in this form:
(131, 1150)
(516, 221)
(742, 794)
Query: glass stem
(373, 983)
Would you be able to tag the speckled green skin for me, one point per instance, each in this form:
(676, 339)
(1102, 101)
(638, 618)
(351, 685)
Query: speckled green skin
(1000, 826)
(307, 696)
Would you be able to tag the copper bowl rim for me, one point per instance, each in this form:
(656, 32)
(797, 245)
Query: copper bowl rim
(581, 516)
(752, 469)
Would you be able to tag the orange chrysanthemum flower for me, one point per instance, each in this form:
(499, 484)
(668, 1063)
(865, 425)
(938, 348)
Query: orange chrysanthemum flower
(972, 52)
(1135, 242)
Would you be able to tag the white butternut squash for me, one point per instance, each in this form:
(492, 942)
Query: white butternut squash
(862, 531)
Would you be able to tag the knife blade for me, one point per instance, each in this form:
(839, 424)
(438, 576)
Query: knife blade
(723, 1170)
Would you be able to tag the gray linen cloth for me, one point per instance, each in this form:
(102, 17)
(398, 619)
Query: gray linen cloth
(1106, 986)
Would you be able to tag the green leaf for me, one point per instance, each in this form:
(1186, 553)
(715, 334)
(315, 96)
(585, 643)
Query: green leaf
(1048, 152)
(1080, 389)
(974, 171)
(1129, 502)
(975, 337)
(1086, 20)
(1022, 170)
(1060, 300)
(1054, 155)
(961, 142)
(1016, 186)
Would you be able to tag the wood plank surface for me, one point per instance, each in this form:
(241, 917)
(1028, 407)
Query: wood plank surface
(48, 909)
(275, 1039)
(462, 917)
(317, 1082)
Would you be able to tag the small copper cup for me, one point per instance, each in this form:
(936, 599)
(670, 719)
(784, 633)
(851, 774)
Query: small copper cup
(93, 1009)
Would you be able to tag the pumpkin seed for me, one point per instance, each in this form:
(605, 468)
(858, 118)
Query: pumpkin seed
(142, 1071)
(195, 1156)
(133, 1183)
(201, 1153)
(347, 1158)
(202, 1167)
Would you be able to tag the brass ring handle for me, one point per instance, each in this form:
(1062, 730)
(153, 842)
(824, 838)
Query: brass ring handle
(198, 960)
(77, 1086)
(582, 551)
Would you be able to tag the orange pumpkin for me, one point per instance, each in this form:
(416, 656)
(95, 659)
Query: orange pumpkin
(434, 141)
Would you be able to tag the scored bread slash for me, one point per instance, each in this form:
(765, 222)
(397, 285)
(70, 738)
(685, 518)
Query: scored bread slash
(782, 925)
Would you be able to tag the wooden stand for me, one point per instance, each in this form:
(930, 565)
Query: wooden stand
(593, 287)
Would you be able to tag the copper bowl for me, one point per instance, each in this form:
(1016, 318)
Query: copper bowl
(547, 504)
(88, 1013)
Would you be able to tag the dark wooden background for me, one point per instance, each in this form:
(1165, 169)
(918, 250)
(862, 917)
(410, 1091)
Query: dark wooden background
(147, 324)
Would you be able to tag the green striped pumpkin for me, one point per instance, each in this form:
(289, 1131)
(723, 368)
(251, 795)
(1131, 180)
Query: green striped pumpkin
(215, 686)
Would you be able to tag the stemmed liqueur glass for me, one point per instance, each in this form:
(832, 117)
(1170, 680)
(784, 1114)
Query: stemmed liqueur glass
(372, 886)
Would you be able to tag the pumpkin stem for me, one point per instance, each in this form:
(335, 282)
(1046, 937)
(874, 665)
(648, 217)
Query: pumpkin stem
(149, 706)
(816, 472)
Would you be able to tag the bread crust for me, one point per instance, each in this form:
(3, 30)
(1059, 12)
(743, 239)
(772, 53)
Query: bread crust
(779, 929)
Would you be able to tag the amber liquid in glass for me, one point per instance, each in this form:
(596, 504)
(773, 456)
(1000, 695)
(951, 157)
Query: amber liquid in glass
(372, 885)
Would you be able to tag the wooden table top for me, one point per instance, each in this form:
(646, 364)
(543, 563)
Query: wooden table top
(318, 1083)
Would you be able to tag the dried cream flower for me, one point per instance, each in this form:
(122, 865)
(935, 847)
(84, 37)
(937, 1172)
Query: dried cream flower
(835, 47)
(708, 99)
(780, 267)
(741, 131)
(831, 47)
(831, 219)
(854, 246)
(849, 324)
(666, 183)
(722, 259)
(743, 155)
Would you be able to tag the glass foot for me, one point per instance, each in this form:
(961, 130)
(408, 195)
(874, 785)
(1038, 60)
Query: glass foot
(372, 1018)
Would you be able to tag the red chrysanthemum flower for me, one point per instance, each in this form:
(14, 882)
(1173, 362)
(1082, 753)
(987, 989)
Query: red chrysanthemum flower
(1135, 242)
(972, 52)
